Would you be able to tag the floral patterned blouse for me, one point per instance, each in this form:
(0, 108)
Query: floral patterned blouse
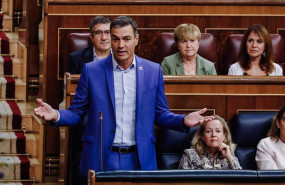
(191, 160)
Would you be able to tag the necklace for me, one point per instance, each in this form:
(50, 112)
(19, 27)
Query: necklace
(190, 68)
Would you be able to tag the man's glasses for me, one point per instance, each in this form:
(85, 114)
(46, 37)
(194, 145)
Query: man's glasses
(100, 32)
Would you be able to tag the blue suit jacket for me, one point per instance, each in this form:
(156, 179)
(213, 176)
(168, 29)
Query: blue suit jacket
(95, 93)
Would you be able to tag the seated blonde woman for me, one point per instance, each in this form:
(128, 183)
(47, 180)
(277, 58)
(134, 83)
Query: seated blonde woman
(187, 61)
(270, 153)
(212, 148)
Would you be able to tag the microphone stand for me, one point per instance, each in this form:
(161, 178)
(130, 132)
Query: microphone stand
(101, 138)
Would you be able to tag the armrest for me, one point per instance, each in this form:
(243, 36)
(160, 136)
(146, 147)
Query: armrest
(271, 175)
(177, 175)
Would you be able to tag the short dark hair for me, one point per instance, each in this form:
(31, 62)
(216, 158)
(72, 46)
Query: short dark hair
(122, 21)
(98, 20)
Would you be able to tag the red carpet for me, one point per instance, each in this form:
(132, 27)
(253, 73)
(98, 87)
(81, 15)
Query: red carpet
(8, 65)
(10, 87)
(5, 48)
(20, 142)
(25, 167)
(11, 167)
(17, 118)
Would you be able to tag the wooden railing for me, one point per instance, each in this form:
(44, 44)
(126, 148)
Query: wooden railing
(223, 95)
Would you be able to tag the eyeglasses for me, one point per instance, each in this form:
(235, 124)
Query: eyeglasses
(100, 32)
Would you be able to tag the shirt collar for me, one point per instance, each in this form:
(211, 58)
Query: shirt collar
(95, 56)
(116, 66)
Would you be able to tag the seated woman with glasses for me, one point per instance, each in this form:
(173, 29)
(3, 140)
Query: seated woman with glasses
(256, 57)
(212, 148)
(270, 153)
(187, 61)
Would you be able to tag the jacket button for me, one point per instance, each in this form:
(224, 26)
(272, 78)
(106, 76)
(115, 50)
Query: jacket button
(113, 130)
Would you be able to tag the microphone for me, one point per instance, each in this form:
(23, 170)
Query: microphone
(101, 138)
(100, 116)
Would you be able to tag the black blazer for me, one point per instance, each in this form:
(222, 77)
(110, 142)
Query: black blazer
(77, 59)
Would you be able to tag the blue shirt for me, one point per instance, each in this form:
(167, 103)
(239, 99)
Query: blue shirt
(125, 98)
(95, 56)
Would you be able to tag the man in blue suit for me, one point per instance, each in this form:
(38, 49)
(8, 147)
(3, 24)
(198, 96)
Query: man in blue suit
(129, 92)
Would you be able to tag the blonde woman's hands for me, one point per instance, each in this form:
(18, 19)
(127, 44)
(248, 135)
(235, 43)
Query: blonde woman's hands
(226, 152)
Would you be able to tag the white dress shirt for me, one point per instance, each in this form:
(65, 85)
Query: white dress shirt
(235, 69)
(125, 98)
(270, 154)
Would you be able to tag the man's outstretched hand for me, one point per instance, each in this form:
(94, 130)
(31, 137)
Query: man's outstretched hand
(195, 118)
(45, 111)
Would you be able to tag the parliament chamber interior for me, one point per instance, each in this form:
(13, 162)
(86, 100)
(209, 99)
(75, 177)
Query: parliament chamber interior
(38, 35)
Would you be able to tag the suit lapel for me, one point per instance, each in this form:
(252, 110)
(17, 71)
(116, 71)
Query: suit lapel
(200, 69)
(110, 80)
(179, 67)
(140, 79)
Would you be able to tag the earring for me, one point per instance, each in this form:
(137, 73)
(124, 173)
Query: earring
(264, 54)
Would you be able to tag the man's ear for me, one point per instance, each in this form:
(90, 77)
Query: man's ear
(137, 39)
(90, 36)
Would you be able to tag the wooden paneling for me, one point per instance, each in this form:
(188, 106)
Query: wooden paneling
(161, 8)
(215, 104)
(221, 35)
(225, 94)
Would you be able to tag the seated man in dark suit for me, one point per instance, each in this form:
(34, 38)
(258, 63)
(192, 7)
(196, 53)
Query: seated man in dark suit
(100, 37)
